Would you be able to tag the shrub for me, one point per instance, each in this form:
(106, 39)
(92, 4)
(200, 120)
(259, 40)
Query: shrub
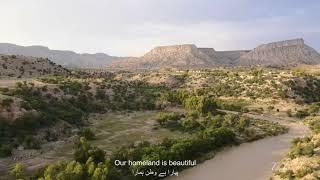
(83, 151)
(87, 133)
(7, 102)
(289, 113)
(270, 108)
(301, 114)
(18, 171)
(231, 105)
(163, 118)
(5, 150)
(31, 143)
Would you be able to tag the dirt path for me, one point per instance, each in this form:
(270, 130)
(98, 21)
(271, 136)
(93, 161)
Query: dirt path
(249, 161)
(9, 83)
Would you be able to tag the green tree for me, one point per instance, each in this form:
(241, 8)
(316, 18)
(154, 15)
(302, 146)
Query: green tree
(83, 151)
(200, 104)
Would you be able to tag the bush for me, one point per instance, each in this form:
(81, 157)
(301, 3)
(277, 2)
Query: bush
(163, 117)
(289, 113)
(5, 150)
(190, 125)
(301, 114)
(7, 102)
(231, 105)
(31, 143)
(18, 171)
(87, 133)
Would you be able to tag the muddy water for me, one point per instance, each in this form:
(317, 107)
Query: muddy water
(249, 161)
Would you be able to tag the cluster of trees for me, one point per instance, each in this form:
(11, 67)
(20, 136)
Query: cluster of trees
(71, 87)
(310, 92)
(126, 95)
(201, 103)
(189, 148)
(133, 95)
(18, 132)
(197, 103)
(72, 108)
(89, 163)
(49, 110)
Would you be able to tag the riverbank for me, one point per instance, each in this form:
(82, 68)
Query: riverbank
(248, 161)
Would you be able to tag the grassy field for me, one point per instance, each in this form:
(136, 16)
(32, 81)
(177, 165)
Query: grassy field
(115, 129)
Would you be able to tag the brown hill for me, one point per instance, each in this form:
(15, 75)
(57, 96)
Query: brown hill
(27, 67)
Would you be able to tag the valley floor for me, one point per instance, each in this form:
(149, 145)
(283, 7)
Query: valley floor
(112, 131)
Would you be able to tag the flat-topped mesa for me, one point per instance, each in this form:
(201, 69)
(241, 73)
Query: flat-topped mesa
(176, 56)
(174, 49)
(283, 53)
(292, 42)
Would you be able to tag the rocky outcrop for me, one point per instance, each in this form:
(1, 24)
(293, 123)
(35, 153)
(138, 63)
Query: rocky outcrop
(27, 67)
(65, 58)
(282, 53)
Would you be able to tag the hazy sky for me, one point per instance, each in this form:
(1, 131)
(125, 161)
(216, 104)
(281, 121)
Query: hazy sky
(131, 27)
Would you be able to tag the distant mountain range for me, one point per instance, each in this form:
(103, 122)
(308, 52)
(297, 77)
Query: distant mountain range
(277, 54)
(65, 58)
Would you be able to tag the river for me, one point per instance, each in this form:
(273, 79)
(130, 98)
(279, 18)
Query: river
(248, 161)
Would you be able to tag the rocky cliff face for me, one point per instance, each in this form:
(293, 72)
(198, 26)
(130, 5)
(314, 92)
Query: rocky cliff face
(282, 53)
